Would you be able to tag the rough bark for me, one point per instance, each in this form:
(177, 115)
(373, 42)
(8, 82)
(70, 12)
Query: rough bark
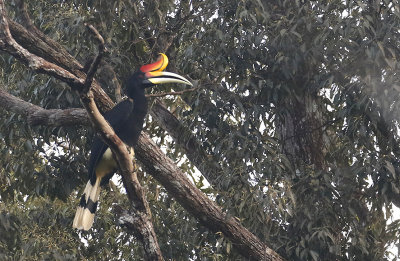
(154, 160)
(38, 116)
(301, 131)
(60, 57)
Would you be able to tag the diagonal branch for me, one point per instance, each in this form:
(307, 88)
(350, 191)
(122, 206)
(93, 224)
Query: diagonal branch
(59, 56)
(140, 214)
(55, 49)
(8, 44)
(163, 169)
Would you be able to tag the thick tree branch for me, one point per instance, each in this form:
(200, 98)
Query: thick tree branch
(54, 47)
(38, 116)
(152, 157)
(8, 44)
(39, 47)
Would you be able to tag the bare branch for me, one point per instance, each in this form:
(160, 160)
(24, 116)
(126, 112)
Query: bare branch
(59, 56)
(34, 62)
(96, 61)
(38, 116)
(55, 49)
(140, 210)
(171, 93)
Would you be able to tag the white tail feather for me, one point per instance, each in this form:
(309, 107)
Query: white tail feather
(83, 217)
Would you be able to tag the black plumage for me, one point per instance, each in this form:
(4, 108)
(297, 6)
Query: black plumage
(127, 119)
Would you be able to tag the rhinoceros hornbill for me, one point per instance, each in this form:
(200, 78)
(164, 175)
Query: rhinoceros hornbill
(126, 118)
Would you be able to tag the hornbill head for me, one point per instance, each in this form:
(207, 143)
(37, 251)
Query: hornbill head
(151, 74)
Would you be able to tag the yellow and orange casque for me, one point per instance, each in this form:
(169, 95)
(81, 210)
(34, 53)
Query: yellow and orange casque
(157, 66)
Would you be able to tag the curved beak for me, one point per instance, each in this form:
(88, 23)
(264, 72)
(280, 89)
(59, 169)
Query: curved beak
(155, 75)
(158, 77)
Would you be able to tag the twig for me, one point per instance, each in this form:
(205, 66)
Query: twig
(117, 90)
(171, 93)
(96, 61)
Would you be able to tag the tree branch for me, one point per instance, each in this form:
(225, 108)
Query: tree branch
(96, 61)
(171, 93)
(38, 116)
(54, 48)
(8, 44)
(59, 56)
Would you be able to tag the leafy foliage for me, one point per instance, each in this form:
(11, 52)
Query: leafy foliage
(298, 104)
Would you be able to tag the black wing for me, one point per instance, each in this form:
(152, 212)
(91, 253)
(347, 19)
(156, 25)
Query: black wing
(116, 117)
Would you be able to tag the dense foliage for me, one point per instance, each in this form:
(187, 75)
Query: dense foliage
(297, 104)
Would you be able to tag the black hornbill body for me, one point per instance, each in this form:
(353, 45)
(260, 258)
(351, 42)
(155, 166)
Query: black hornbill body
(127, 119)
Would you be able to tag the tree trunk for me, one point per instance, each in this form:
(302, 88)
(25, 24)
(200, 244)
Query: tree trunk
(300, 128)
